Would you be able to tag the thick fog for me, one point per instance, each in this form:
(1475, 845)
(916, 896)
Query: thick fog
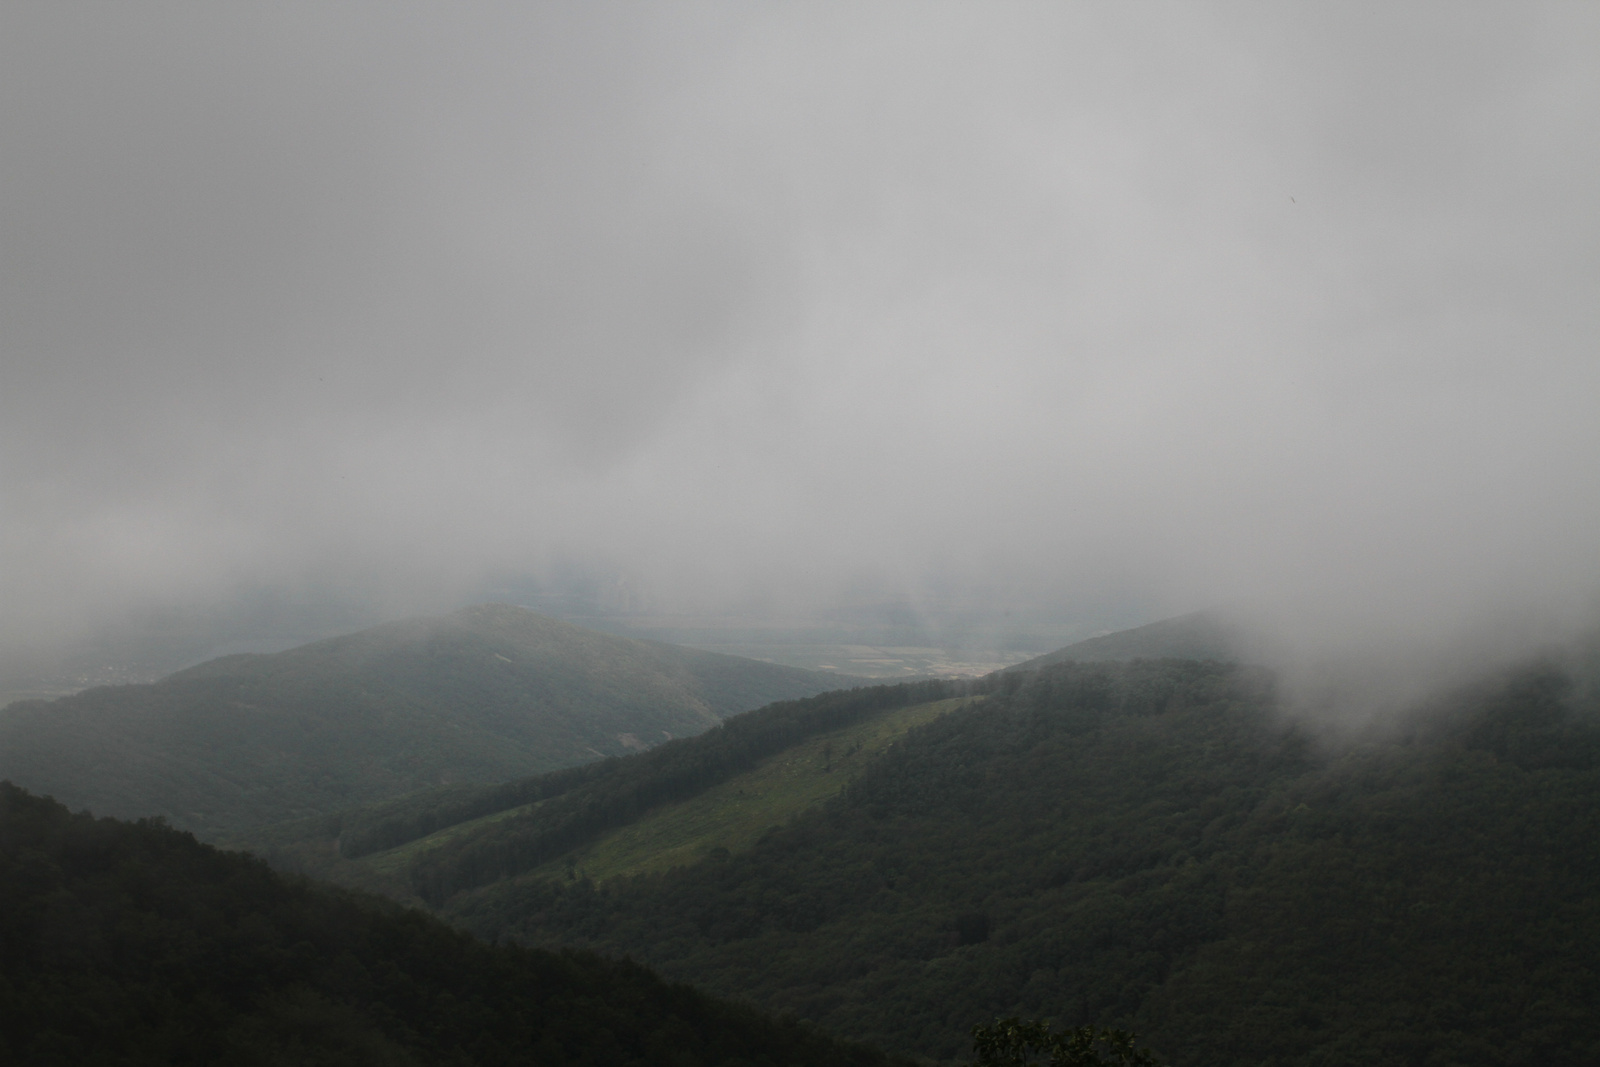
(1038, 305)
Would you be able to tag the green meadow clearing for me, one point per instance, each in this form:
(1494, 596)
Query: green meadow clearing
(735, 814)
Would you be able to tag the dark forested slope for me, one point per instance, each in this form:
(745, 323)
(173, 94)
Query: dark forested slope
(134, 944)
(482, 695)
(1154, 845)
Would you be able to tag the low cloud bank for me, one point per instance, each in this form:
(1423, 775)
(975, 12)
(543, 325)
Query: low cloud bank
(1098, 312)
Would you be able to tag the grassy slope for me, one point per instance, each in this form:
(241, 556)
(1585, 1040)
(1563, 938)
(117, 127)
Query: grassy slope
(732, 815)
(735, 814)
(485, 694)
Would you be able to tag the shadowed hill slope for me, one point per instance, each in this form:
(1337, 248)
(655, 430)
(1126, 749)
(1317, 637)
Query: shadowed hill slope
(481, 695)
(133, 944)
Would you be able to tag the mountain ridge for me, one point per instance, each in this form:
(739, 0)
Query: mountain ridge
(485, 694)
(1200, 635)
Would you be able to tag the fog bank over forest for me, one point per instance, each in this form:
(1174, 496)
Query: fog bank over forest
(1089, 314)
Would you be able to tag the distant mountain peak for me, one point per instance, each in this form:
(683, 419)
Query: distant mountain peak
(1200, 635)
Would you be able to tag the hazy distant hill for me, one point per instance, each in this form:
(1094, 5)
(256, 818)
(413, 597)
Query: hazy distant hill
(482, 695)
(1201, 635)
(133, 944)
(1151, 845)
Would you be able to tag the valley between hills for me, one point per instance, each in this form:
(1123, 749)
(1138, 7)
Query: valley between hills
(1105, 834)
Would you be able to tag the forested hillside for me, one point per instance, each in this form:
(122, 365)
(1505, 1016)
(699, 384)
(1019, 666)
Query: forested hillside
(1154, 846)
(1200, 635)
(430, 845)
(484, 695)
(134, 944)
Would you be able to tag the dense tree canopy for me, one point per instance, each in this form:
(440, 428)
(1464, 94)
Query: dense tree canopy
(1154, 846)
(1016, 1042)
(134, 944)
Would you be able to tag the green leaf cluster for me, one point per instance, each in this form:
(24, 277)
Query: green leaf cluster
(1015, 1042)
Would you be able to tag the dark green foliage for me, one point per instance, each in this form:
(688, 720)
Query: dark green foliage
(483, 695)
(133, 944)
(383, 826)
(1015, 1043)
(1155, 847)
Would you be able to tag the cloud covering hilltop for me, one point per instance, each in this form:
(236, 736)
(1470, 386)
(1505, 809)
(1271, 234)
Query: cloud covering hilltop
(1164, 305)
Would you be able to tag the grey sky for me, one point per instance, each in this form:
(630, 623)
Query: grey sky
(1167, 303)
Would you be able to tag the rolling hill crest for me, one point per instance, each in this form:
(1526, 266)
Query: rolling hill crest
(482, 695)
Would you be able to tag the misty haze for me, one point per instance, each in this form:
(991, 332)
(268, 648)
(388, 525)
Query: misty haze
(898, 516)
